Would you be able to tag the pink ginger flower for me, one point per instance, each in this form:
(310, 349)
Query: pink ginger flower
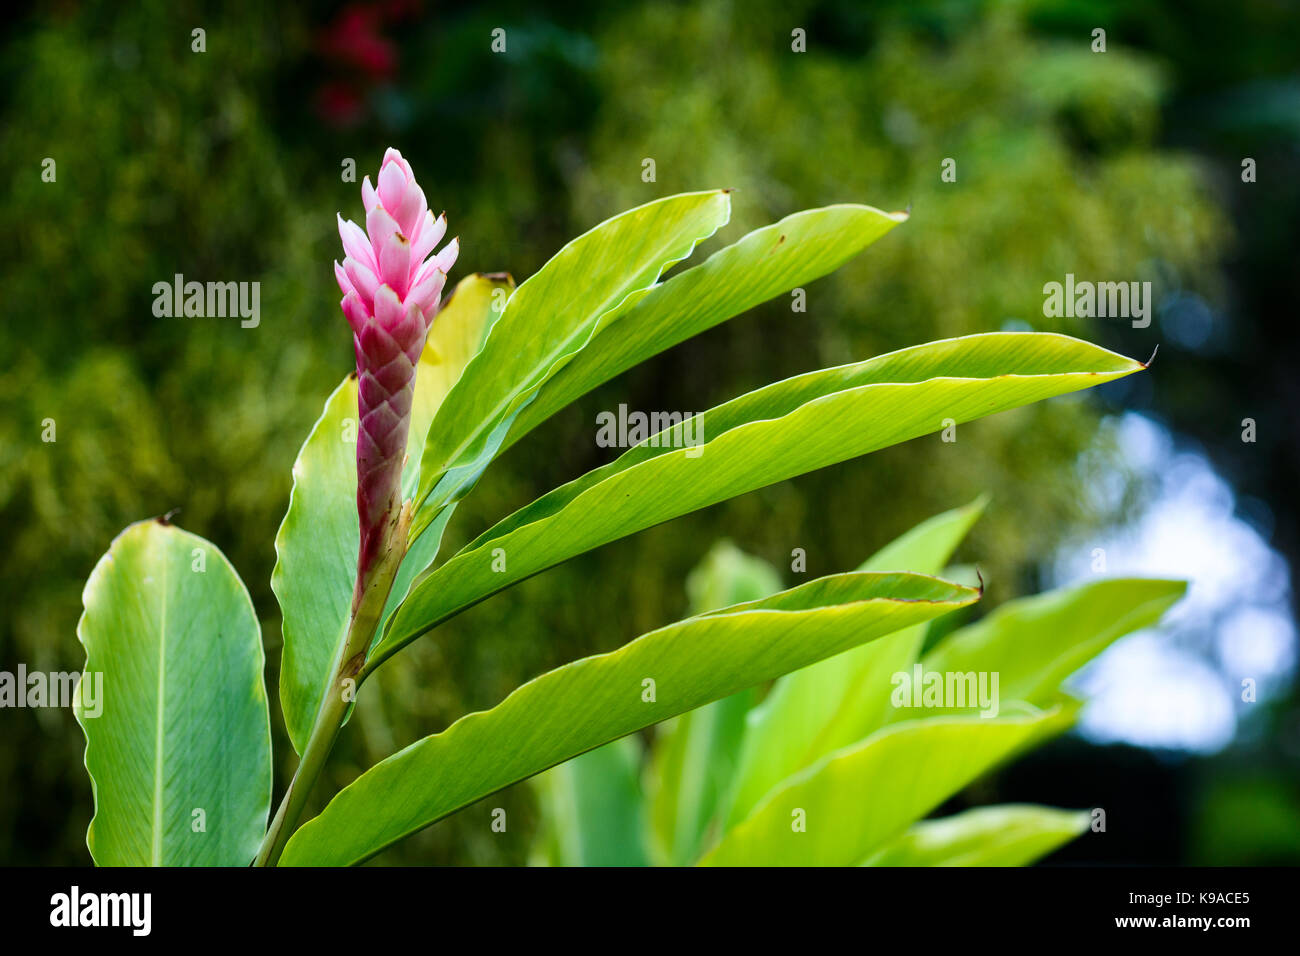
(391, 286)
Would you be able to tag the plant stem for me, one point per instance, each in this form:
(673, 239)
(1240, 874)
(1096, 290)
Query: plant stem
(329, 720)
(373, 587)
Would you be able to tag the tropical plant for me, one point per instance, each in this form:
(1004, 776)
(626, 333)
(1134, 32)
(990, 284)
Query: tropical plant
(180, 757)
(832, 767)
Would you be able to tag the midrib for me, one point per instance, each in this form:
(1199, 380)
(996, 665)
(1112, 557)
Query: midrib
(158, 728)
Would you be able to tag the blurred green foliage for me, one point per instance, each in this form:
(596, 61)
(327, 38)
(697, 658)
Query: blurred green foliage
(220, 166)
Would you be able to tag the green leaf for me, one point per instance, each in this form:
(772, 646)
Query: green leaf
(458, 332)
(729, 576)
(178, 731)
(930, 544)
(316, 545)
(457, 335)
(1009, 835)
(839, 701)
(550, 318)
(693, 762)
(587, 703)
(769, 435)
(1035, 643)
(854, 801)
(593, 808)
(316, 560)
(694, 754)
(777, 258)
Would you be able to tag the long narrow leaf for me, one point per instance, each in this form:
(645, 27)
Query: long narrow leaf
(582, 705)
(1010, 835)
(839, 701)
(550, 318)
(793, 252)
(593, 808)
(840, 810)
(1034, 643)
(694, 754)
(775, 433)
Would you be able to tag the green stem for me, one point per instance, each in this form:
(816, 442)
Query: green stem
(368, 607)
(329, 720)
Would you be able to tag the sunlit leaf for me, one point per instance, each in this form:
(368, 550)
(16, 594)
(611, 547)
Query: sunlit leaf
(854, 801)
(547, 321)
(769, 435)
(589, 702)
(1034, 643)
(839, 701)
(767, 262)
(1010, 835)
(695, 754)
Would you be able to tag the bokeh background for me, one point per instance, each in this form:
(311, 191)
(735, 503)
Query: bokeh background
(226, 165)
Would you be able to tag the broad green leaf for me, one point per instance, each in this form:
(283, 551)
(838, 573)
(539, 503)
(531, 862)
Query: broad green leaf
(587, 703)
(769, 435)
(1009, 835)
(767, 262)
(854, 801)
(593, 808)
(839, 701)
(172, 702)
(316, 546)
(1035, 643)
(550, 318)
(694, 754)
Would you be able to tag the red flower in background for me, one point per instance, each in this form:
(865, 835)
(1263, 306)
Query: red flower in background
(357, 50)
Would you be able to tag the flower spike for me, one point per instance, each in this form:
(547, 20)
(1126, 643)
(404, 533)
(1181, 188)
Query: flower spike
(392, 282)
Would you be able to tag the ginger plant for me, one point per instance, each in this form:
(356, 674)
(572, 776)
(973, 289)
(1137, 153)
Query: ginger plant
(180, 758)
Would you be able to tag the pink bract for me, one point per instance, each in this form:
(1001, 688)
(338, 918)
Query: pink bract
(392, 283)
